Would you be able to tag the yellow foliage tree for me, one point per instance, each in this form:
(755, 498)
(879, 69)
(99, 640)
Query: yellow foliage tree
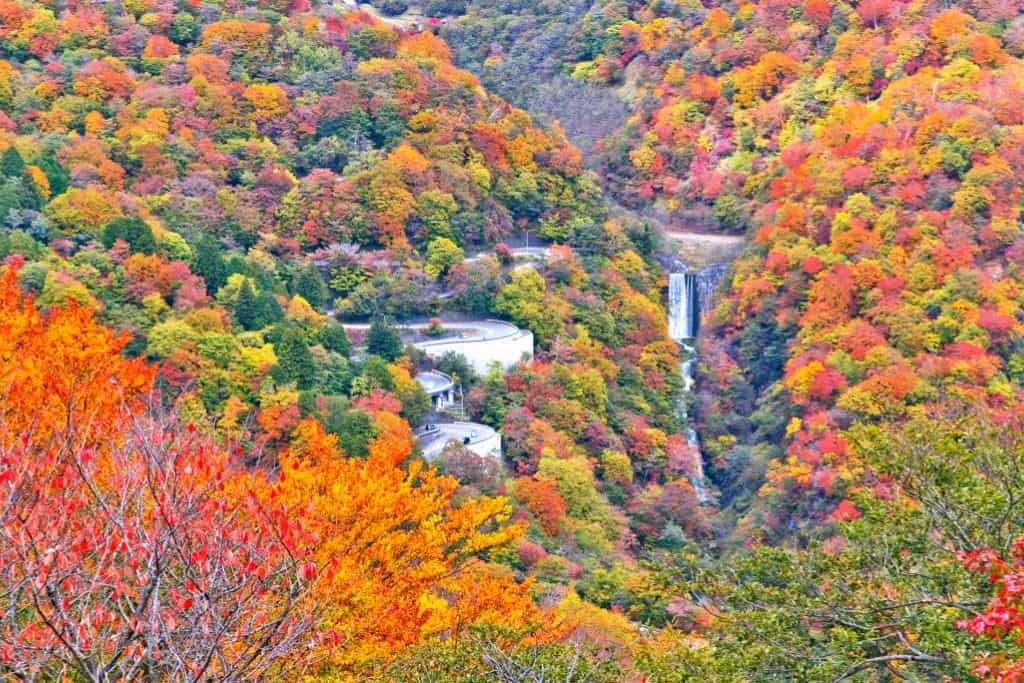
(268, 100)
(400, 560)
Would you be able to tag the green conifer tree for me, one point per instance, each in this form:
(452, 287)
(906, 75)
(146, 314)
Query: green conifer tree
(383, 339)
(294, 360)
(247, 313)
(309, 284)
(210, 264)
(335, 339)
(133, 230)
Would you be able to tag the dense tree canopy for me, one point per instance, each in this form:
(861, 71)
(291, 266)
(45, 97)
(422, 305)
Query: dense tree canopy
(197, 199)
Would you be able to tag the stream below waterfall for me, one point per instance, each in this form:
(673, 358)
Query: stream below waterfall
(690, 296)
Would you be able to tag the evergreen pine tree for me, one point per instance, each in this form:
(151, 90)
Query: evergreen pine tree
(335, 339)
(112, 232)
(268, 309)
(383, 340)
(55, 173)
(295, 360)
(133, 230)
(309, 284)
(11, 194)
(140, 236)
(12, 165)
(376, 374)
(210, 264)
(354, 429)
(247, 313)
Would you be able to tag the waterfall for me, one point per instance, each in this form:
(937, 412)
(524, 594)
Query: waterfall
(698, 480)
(683, 308)
(686, 368)
(690, 297)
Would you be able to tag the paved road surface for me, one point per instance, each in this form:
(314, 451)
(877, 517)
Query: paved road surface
(434, 382)
(472, 330)
(517, 252)
(433, 438)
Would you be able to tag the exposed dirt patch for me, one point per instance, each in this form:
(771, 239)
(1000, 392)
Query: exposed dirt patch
(411, 20)
(691, 237)
(698, 249)
(631, 79)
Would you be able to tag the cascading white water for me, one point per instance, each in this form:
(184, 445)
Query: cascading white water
(698, 480)
(682, 306)
(689, 299)
(687, 371)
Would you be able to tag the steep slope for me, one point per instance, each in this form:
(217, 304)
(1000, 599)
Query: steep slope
(871, 153)
(336, 130)
(225, 185)
(861, 379)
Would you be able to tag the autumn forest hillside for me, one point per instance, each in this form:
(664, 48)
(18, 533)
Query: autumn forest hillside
(859, 378)
(226, 228)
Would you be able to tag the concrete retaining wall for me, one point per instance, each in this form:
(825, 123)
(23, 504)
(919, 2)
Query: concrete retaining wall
(478, 438)
(483, 350)
(489, 447)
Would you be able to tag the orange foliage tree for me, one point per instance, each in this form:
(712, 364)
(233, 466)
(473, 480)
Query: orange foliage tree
(129, 547)
(401, 561)
(169, 557)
